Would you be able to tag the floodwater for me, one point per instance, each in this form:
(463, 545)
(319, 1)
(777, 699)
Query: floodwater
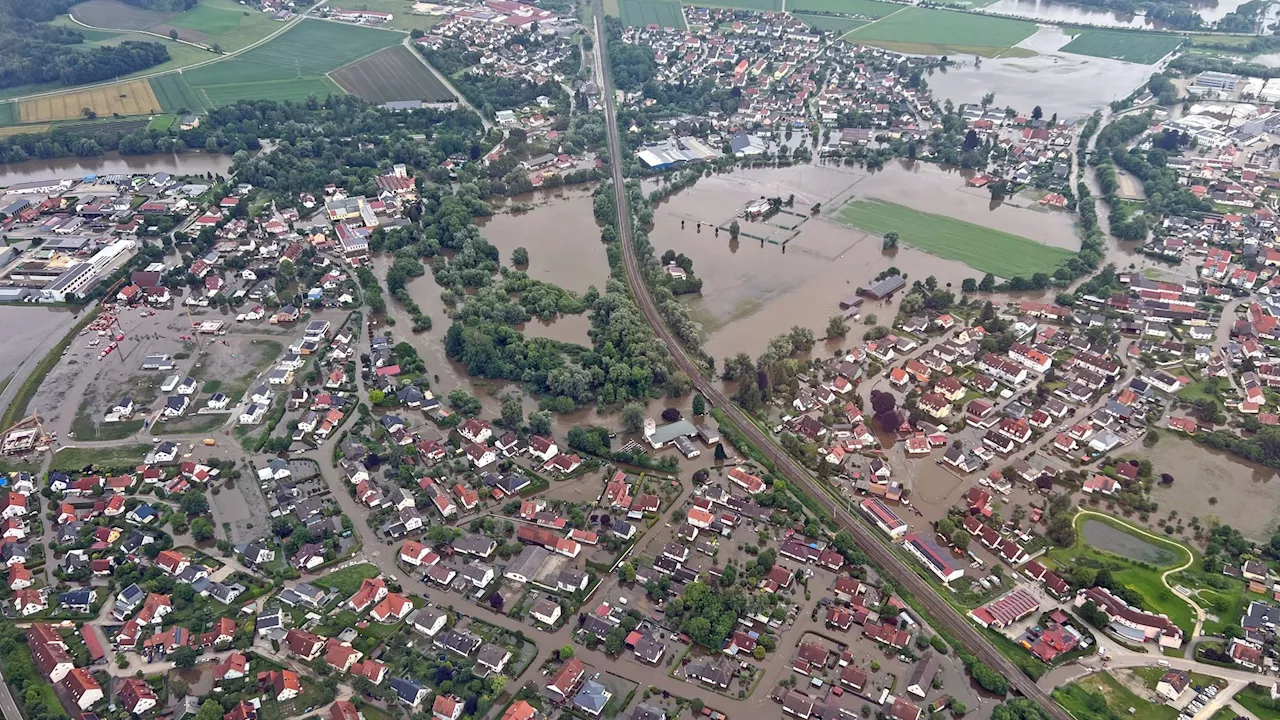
(560, 233)
(1073, 86)
(1049, 11)
(188, 163)
(1267, 59)
(1118, 542)
(752, 292)
(1213, 484)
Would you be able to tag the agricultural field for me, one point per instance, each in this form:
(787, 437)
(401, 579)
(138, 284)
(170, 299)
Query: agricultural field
(981, 248)
(861, 8)
(9, 114)
(831, 23)
(290, 66)
(757, 5)
(392, 74)
(639, 13)
(928, 31)
(132, 97)
(175, 93)
(1136, 47)
(223, 22)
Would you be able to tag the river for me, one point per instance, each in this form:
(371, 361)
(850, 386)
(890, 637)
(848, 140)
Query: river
(1073, 86)
(1048, 11)
(188, 163)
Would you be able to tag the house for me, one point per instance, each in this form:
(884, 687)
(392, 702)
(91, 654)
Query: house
(304, 644)
(592, 698)
(372, 590)
(546, 612)
(446, 707)
(284, 684)
(408, 692)
(82, 688)
(344, 710)
(1172, 684)
(567, 678)
(135, 695)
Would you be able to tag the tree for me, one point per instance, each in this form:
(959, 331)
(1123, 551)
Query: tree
(496, 601)
(540, 422)
(734, 229)
(512, 411)
(184, 657)
(990, 680)
(968, 285)
(699, 405)
(670, 415)
(566, 652)
(463, 402)
(836, 327)
(173, 34)
(890, 241)
(209, 710)
(377, 397)
(988, 283)
(1036, 113)
(520, 257)
(720, 455)
(194, 503)
(201, 529)
(961, 540)
(958, 708)
(988, 99)
(632, 417)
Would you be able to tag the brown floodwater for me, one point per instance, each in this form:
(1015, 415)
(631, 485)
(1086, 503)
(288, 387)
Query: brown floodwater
(1065, 12)
(560, 233)
(1073, 86)
(188, 163)
(1244, 495)
(751, 293)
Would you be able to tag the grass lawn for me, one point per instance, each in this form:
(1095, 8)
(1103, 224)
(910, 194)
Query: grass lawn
(1074, 698)
(864, 8)
(1241, 41)
(639, 13)
(1252, 698)
(1136, 47)
(161, 122)
(941, 32)
(832, 23)
(1151, 677)
(347, 580)
(1140, 578)
(981, 248)
(72, 458)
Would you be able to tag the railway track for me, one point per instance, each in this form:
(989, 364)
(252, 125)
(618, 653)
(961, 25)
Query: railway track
(940, 611)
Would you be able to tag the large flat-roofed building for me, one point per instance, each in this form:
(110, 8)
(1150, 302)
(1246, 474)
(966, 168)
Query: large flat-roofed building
(932, 557)
(884, 518)
(885, 287)
(1214, 80)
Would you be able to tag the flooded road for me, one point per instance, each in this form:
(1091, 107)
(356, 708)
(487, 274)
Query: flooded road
(188, 163)
(751, 293)
(1073, 86)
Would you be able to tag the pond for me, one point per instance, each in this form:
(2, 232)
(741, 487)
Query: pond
(1112, 539)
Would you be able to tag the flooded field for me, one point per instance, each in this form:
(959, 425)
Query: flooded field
(191, 163)
(751, 293)
(1210, 484)
(559, 232)
(1080, 15)
(30, 332)
(1111, 539)
(1073, 86)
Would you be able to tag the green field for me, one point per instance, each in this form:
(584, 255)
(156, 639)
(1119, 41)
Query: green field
(1141, 578)
(832, 23)
(347, 580)
(8, 113)
(73, 458)
(1252, 698)
(279, 90)
(979, 247)
(211, 19)
(162, 122)
(639, 13)
(1075, 699)
(290, 67)
(1136, 47)
(176, 94)
(757, 5)
(928, 31)
(864, 8)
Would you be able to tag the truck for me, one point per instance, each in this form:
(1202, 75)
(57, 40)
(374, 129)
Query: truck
(210, 442)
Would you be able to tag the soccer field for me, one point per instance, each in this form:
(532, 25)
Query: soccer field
(981, 248)
(927, 31)
(1145, 48)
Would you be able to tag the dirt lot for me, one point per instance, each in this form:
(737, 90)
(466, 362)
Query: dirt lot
(392, 74)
